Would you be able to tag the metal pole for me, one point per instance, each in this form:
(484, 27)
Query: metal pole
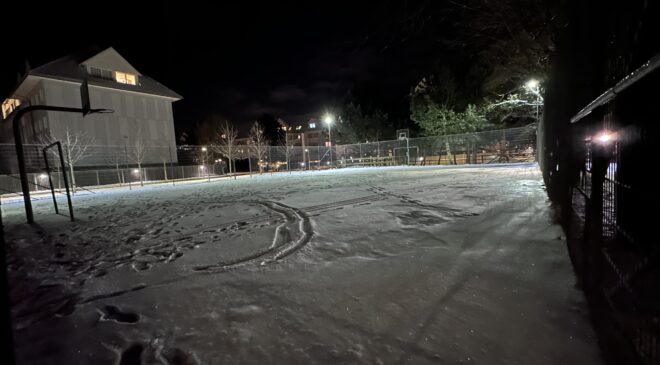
(330, 140)
(303, 150)
(206, 162)
(66, 182)
(129, 171)
(171, 167)
(538, 100)
(50, 181)
(18, 141)
(270, 168)
(407, 150)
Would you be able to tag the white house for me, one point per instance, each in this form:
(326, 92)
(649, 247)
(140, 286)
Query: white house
(142, 106)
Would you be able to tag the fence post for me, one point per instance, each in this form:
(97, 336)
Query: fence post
(164, 170)
(270, 168)
(119, 178)
(98, 181)
(129, 172)
(171, 166)
(600, 160)
(408, 150)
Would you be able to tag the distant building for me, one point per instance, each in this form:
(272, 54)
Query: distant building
(311, 134)
(142, 106)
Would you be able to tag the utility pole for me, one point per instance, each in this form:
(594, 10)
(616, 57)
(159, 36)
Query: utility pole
(303, 149)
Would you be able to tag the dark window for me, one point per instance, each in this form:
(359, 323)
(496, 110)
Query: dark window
(95, 71)
(101, 73)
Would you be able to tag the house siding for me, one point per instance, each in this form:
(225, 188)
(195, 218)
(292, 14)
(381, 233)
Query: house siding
(132, 111)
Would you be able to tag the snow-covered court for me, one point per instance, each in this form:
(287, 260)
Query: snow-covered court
(407, 265)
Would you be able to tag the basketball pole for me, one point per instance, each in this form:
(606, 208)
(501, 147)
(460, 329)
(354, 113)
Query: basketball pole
(18, 138)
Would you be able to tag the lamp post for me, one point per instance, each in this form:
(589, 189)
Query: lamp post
(533, 86)
(309, 163)
(206, 162)
(329, 119)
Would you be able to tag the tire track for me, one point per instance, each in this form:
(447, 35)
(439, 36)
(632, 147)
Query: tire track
(451, 212)
(278, 249)
(266, 217)
(157, 242)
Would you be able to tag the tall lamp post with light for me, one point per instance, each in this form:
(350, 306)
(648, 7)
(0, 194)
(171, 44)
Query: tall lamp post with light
(206, 162)
(329, 119)
(534, 87)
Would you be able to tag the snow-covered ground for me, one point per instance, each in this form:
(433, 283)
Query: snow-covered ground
(370, 266)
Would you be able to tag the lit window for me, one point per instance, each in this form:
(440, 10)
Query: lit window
(130, 79)
(298, 127)
(124, 78)
(120, 77)
(9, 106)
(312, 125)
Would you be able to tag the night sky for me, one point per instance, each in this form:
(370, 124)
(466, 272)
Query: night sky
(291, 61)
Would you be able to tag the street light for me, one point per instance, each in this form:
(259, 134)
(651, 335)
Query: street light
(329, 119)
(206, 161)
(605, 137)
(533, 86)
(309, 163)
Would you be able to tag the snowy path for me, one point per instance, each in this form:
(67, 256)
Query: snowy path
(383, 265)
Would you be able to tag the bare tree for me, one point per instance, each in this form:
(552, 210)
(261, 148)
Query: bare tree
(75, 145)
(225, 143)
(259, 143)
(138, 149)
(114, 158)
(287, 145)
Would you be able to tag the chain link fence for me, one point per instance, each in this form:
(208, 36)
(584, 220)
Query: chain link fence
(95, 166)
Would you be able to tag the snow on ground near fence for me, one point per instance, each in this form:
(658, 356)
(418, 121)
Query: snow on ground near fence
(380, 265)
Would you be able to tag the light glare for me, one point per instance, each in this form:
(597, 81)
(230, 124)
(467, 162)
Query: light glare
(532, 84)
(605, 137)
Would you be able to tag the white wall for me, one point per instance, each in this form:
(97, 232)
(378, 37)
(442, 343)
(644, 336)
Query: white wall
(132, 111)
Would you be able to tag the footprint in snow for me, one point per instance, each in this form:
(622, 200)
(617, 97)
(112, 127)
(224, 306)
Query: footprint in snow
(112, 313)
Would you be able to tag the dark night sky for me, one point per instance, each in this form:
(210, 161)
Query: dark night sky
(289, 60)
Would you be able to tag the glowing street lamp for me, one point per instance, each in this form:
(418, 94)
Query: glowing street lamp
(533, 86)
(206, 161)
(329, 119)
(605, 137)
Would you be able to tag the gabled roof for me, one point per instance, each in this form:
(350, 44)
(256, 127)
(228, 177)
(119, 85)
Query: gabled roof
(110, 59)
(72, 68)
